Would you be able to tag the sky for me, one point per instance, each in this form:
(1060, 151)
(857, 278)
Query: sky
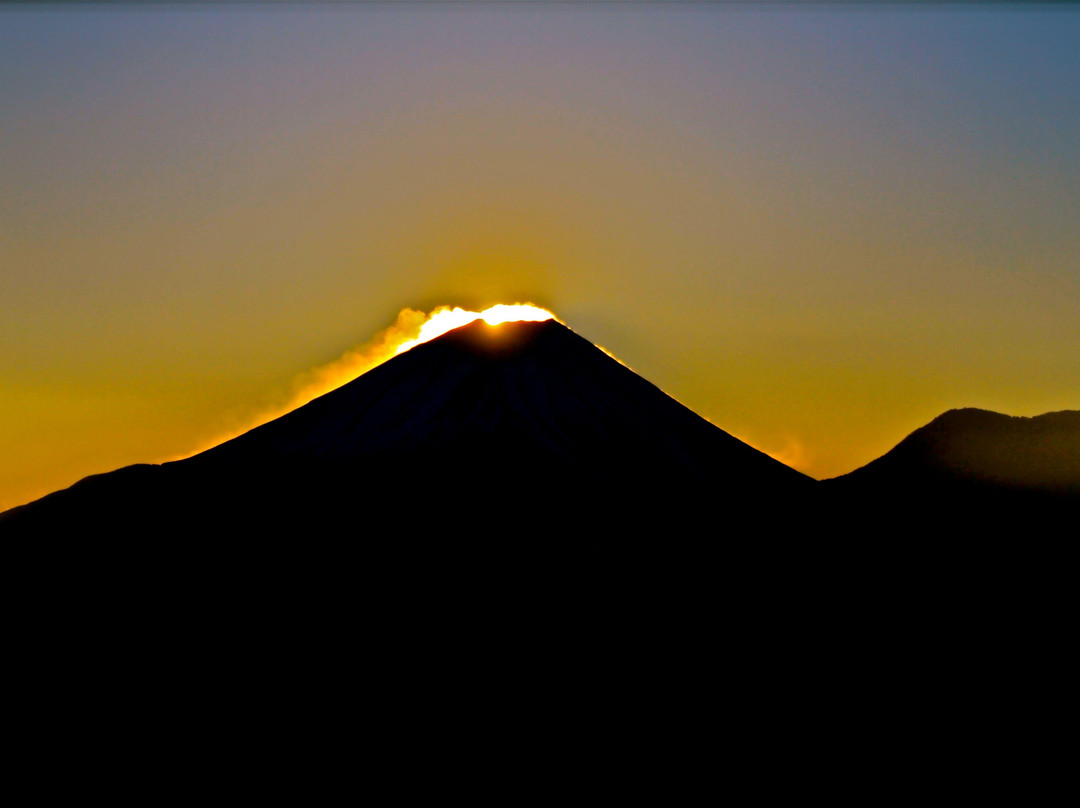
(819, 227)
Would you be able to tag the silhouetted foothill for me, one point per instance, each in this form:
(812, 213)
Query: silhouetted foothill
(980, 446)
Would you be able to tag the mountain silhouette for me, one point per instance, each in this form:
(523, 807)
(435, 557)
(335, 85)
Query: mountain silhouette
(507, 527)
(502, 498)
(474, 475)
(526, 422)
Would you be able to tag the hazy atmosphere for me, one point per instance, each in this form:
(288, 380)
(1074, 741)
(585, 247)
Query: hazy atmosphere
(817, 227)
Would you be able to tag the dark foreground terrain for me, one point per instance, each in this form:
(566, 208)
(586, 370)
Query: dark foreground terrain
(505, 534)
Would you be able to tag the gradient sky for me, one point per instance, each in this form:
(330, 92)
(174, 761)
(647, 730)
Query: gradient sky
(818, 227)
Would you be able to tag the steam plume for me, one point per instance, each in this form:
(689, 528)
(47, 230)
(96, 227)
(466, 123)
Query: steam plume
(411, 328)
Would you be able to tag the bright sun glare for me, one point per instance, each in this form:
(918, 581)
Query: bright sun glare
(445, 319)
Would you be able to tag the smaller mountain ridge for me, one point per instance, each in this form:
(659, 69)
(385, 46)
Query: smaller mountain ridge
(977, 447)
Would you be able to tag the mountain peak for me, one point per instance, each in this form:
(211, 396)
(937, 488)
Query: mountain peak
(971, 417)
(501, 339)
